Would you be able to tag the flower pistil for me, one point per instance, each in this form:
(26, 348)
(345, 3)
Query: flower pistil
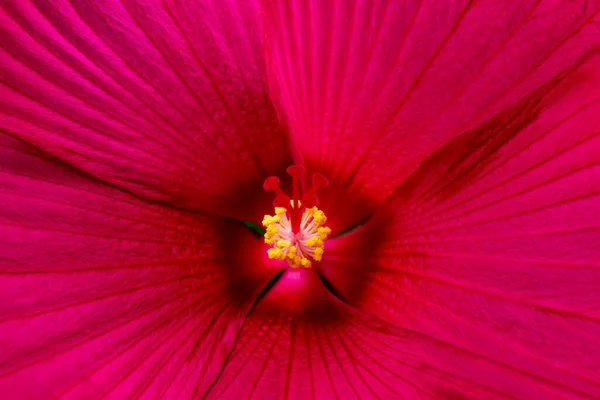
(296, 231)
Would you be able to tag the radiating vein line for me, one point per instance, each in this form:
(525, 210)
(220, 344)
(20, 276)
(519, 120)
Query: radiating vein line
(126, 349)
(514, 154)
(80, 73)
(325, 363)
(479, 290)
(342, 368)
(96, 335)
(353, 362)
(241, 345)
(348, 182)
(79, 120)
(509, 215)
(154, 285)
(147, 82)
(458, 381)
(273, 344)
(116, 81)
(482, 329)
(104, 211)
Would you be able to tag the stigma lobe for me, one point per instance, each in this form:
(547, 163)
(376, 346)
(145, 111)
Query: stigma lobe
(299, 201)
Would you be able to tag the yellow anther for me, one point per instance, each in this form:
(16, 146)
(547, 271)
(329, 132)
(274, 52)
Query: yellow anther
(296, 261)
(276, 253)
(318, 253)
(284, 243)
(323, 232)
(319, 217)
(297, 248)
(280, 211)
(270, 220)
(314, 241)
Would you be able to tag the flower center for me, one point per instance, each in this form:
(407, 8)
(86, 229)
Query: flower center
(296, 230)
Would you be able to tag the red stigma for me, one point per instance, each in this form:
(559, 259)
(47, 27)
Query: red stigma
(299, 201)
(281, 199)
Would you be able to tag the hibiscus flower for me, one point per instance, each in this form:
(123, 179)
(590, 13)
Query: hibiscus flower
(452, 249)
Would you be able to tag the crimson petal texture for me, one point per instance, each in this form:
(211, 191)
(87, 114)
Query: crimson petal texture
(493, 245)
(102, 295)
(371, 88)
(167, 100)
(320, 348)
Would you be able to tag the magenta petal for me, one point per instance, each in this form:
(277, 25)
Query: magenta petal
(492, 246)
(282, 353)
(104, 295)
(168, 101)
(370, 88)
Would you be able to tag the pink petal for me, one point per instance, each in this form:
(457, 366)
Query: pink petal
(371, 88)
(166, 101)
(331, 351)
(493, 245)
(102, 295)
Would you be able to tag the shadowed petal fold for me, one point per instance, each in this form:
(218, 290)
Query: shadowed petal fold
(167, 100)
(102, 295)
(492, 245)
(300, 342)
(371, 88)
